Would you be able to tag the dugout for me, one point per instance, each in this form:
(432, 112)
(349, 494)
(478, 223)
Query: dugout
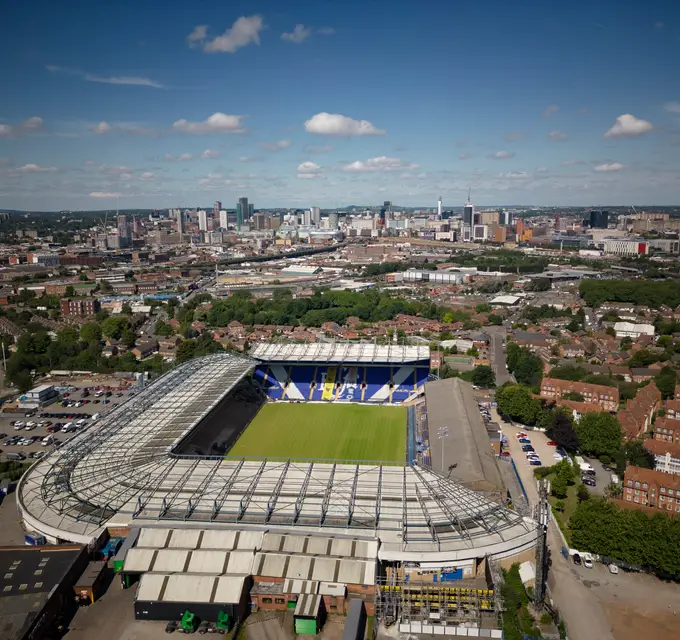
(310, 614)
(163, 596)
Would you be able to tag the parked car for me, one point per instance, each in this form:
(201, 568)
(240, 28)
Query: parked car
(557, 457)
(524, 441)
(588, 481)
(613, 569)
(551, 443)
(577, 559)
(527, 447)
(535, 463)
(504, 454)
(521, 434)
(587, 561)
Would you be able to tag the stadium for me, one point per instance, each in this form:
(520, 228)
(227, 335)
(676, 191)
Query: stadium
(296, 454)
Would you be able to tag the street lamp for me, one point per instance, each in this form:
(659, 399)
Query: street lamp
(442, 432)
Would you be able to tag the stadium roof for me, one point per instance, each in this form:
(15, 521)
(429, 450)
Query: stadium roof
(342, 352)
(121, 473)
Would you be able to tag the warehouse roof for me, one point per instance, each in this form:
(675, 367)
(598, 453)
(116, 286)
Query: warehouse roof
(188, 587)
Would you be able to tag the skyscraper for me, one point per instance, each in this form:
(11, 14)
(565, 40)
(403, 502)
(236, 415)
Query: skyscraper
(333, 220)
(179, 217)
(242, 212)
(439, 207)
(123, 230)
(224, 219)
(468, 210)
(316, 215)
(217, 208)
(599, 219)
(202, 220)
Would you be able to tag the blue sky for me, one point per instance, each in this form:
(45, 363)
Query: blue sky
(332, 103)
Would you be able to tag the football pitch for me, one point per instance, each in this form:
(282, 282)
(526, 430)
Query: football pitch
(325, 431)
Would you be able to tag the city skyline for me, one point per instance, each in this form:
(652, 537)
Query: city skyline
(312, 106)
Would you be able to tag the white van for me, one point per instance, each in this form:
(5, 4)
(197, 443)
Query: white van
(94, 416)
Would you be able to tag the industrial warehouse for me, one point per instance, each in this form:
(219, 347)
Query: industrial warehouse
(222, 536)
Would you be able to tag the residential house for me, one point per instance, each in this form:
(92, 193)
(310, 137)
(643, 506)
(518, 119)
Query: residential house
(666, 455)
(236, 329)
(6, 292)
(667, 430)
(651, 488)
(642, 374)
(579, 408)
(677, 392)
(145, 349)
(573, 350)
(636, 418)
(606, 397)
(167, 347)
(672, 408)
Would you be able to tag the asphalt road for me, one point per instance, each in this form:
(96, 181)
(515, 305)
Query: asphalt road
(497, 356)
(583, 614)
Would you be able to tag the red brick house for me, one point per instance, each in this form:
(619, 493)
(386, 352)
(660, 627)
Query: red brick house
(654, 489)
(606, 397)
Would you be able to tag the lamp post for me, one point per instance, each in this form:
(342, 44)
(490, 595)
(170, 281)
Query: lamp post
(442, 432)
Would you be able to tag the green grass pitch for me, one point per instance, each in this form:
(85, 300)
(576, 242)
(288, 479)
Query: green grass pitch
(330, 431)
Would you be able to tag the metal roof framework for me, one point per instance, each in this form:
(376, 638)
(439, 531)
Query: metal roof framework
(340, 353)
(122, 471)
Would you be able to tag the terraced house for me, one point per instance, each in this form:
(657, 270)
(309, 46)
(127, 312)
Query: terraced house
(605, 397)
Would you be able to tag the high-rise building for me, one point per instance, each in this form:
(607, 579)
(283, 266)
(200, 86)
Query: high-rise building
(439, 207)
(217, 207)
(307, 218)
(506, 218)
(259, 221)
(251, 210)
(242, 212)
(224, 219)
(202, 220)
(333, 220)
(179, 218)
(123, 230)
(316, 215)
(468, 211)
(599, 219)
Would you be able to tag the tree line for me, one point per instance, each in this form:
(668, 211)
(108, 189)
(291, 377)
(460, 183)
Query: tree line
(649, 293)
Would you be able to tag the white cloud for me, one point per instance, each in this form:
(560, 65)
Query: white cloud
(216, 123)
(138, 81)
(103, 194)
(275, 146)
(36, 168)
(31, 125)
(515, 175)
(673, 107)
(609, 167)
(102, 128)
(326, 31)
(182, 157)
(501, 155)
(298, 35)
(628, 126)
(550, 110)
(334, 124)
(208, 154)
(245, 31)
(147, 176)
(116, 171)
(572, 163)
(199, 34)
(325, 148)
(308, 170)
(557, 136)
(381, 163)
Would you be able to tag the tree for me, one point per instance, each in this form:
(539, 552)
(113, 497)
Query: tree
(90, 332)
(516, 403)
(105, 286)
(582, 493)
(484, 377)
(128, 338)
(495, 319)
(539, 284)
(114, 327)
(186, 350)
(634, 453)
(558, 487)
(484, 307)
(573, 395)
(666, 381)
(599, 433)
(164, 329)
(126, 309)
(472, 351)
(626, 343)
(70, 292)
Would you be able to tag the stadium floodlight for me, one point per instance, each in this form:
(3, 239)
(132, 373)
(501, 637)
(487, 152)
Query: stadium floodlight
(442, 433)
